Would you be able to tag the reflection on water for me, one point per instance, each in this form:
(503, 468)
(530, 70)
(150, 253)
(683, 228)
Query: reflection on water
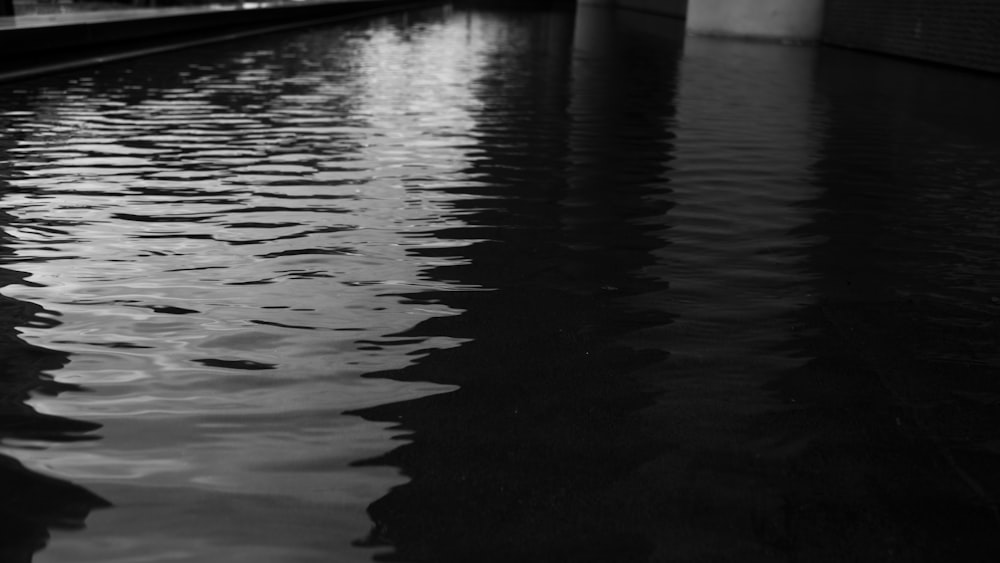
(33, 503)
(519, 463)
(535, 285)
(219, 235)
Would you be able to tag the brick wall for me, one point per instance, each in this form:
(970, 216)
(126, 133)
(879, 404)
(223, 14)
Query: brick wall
(959, 32)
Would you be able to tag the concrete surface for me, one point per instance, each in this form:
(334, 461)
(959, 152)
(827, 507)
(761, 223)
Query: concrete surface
(797, 20)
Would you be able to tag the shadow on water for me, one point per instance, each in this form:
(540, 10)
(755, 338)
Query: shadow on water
(517, 463)
(739, 305)
(33, 503)
(898, 400)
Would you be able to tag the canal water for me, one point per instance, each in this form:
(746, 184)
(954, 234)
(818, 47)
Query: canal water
(480, 285)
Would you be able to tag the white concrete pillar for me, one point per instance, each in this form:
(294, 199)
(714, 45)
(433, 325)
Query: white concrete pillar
(791, 20)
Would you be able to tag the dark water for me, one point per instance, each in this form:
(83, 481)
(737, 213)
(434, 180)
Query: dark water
(535, 286)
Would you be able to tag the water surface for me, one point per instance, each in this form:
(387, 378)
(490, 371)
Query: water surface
(484, 285)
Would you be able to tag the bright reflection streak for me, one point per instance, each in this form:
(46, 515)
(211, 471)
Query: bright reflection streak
(216, 236)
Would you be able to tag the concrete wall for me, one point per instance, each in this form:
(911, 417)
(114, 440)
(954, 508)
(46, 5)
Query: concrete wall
(958, 32)
(963, 33)
(765, 19)
(672, 8)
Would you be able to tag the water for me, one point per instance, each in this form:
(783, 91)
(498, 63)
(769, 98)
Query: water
(484, 285)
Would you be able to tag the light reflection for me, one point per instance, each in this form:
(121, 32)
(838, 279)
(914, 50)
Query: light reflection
(222, 239)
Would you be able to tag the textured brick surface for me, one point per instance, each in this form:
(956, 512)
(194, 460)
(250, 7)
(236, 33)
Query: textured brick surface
(959, 32)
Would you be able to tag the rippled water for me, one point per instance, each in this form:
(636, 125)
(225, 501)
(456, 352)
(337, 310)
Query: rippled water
(499, 286)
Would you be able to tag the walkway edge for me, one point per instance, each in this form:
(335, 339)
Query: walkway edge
(173, 32)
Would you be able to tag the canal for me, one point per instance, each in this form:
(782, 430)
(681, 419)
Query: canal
(474, 284)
